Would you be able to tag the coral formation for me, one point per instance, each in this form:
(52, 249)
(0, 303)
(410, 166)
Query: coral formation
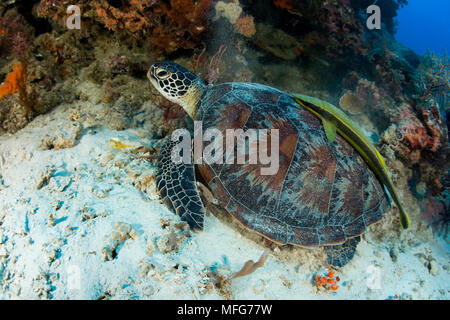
(20, 112)
(14, 82)
(434, 75)
(245, 26)
(16, 35)
(174, 235)
(121, 233)
(328, 281)
(169, 25)
(283, 4)
(229, 10)
(217, 278)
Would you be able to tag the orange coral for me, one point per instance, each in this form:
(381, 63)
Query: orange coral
(115, 19)
(14, 82)
(283, 4)
(328, 281)
(169, 24)
(142, 4)
(245, 26)
(188, 19)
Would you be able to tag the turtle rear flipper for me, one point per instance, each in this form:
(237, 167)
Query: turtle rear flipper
(177, 187)
(339, 255)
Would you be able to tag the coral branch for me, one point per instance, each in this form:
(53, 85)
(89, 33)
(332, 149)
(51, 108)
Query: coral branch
(435, 78)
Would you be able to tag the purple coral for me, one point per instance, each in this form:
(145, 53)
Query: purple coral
(16, 35)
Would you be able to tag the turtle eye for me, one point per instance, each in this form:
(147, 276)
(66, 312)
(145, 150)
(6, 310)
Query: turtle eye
(162, 74)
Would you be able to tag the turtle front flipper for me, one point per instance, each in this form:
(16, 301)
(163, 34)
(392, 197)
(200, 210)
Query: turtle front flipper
(177, 187)
(339, 255)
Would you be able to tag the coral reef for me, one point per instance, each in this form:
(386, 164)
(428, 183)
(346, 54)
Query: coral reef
(434, 75)
(429, 134)
(332, 26)
(169, 25)
(16, 35)
(14, 82)
(16, 95)
(19, 113)
(245, 26)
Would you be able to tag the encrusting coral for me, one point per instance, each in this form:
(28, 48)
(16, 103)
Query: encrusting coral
(16, 35)
(169, 25)
(14, 82)
(328, 281)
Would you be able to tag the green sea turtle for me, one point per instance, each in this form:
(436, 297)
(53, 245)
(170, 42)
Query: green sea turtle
(323, 194)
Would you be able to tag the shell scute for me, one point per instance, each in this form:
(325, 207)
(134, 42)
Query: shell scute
(308, 237)
(331, 234)
(219, 191)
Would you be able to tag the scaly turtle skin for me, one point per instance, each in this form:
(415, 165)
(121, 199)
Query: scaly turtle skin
(323, 194)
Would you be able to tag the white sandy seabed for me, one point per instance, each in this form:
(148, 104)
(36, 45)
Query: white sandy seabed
(75, 223)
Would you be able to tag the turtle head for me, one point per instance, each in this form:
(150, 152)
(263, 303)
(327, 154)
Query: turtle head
(177, 84)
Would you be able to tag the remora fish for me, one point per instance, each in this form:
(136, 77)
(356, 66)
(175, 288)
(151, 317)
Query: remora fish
(333, 120)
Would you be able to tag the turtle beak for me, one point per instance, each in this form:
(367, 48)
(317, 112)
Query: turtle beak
(151, 76)
(151, 73)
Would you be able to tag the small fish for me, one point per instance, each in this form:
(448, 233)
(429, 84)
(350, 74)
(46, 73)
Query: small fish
(335, 120)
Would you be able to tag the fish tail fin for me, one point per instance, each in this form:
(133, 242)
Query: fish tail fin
(404, 219)
(392, 196)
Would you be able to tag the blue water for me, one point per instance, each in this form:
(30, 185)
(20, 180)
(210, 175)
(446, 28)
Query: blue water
(425, 24)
